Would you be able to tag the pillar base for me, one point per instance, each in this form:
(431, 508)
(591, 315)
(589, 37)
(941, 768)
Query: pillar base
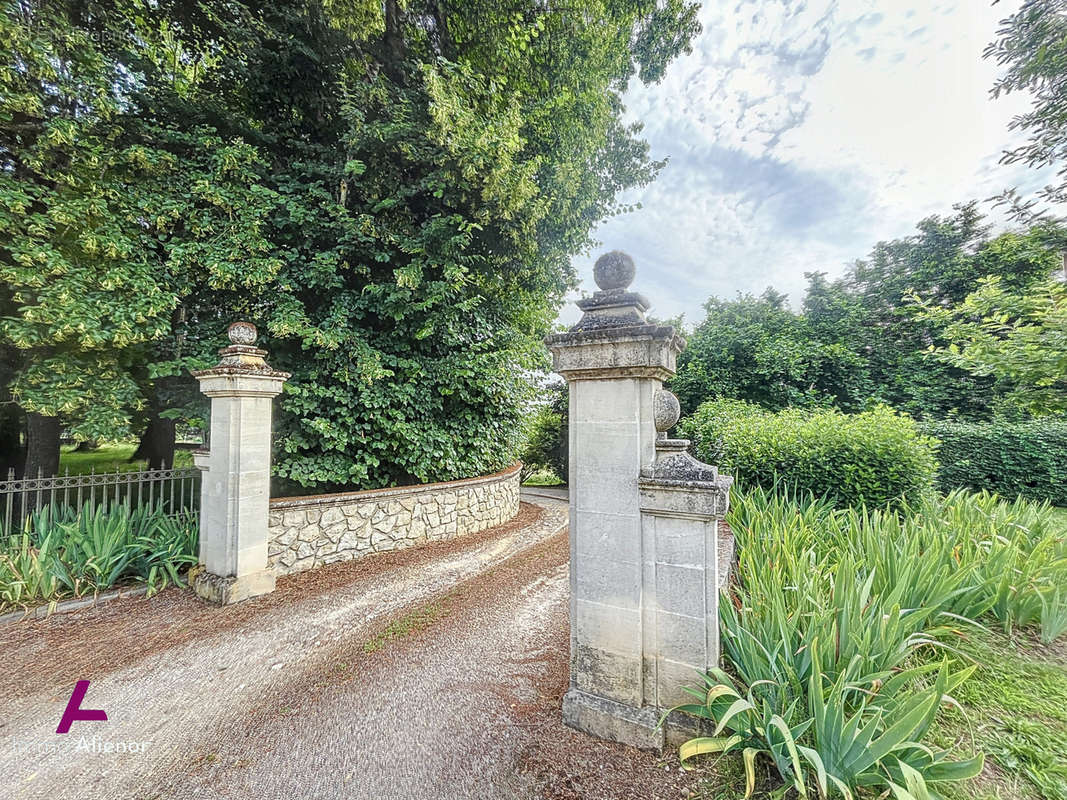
(614, 721)
(230, 589)
(637, 727)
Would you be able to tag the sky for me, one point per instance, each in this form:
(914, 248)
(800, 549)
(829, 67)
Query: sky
(799, 134)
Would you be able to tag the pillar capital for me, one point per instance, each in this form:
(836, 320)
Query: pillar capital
(614, 339)
(632, 351)
(242, 370)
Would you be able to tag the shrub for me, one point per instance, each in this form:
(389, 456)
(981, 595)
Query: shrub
(1027, 459)
(872, 458)
(545, 436)
(835, 626)
(64, 552)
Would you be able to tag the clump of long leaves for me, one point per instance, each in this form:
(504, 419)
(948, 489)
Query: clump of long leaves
(850, 733)
(823, 627)
(67, 552)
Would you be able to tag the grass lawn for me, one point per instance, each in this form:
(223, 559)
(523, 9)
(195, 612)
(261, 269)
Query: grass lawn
(113, 457)
(543, 477)
(1014, 709)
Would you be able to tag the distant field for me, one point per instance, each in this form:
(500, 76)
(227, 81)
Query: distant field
(110, 458)
(543, 477)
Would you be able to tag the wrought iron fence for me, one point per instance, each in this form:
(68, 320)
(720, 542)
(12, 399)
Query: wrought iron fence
(174, 490)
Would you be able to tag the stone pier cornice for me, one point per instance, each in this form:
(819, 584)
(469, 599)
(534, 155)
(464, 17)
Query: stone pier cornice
(633, 351)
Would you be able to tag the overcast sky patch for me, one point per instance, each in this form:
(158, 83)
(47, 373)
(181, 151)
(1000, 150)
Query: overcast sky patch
(800, 134)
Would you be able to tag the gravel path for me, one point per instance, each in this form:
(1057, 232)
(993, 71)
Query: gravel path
(195, 681)
(434, 672)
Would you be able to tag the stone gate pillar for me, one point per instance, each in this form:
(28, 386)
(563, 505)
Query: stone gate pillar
(643, 520)
(235, 480)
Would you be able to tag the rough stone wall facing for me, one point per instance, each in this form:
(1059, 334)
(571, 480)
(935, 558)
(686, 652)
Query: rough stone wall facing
(306, 532)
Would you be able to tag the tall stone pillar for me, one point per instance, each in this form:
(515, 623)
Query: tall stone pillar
(642, 595)
(235, 484)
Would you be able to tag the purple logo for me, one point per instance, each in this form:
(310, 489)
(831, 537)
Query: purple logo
(74, 711)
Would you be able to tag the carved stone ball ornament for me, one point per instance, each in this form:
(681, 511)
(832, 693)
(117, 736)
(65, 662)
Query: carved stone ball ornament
(665, 410)
(242, 356)
(614, 270)
(242, 333)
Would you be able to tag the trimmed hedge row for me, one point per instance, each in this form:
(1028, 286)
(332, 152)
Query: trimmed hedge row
(872, 459)
(1011, 459)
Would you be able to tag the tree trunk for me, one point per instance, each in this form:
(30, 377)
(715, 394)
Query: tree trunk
(444, 37)
(10, 439)
(42, 446)
(394, 43)
(157, 444)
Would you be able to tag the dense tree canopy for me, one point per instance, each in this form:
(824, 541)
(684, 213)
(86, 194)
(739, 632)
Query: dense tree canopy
(391, 191)
(109, 214)
(757, 349)
(1017, 336)
(861, 340)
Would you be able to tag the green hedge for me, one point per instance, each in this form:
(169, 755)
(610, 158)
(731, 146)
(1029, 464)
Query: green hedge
(872, 458)
(1011, 459)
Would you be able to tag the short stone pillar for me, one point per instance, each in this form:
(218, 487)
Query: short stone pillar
(235, 484)
(682, 502)
(643, 520)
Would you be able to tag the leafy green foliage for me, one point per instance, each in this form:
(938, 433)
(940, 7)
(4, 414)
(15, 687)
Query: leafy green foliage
(857, 341)
(842, 622)
(1031, 50)
(69, 552)
(1027, 459)
(109, 214)
(756, 349)
(429, 236)
(873, 458)
(392, 192)
(1018, 337)
(546, 435)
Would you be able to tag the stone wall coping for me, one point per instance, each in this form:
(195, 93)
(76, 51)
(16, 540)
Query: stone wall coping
(363, 495)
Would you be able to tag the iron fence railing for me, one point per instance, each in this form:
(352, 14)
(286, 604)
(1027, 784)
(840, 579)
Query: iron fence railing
(175, 490)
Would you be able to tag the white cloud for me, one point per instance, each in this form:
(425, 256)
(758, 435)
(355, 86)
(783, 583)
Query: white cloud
(800, 134)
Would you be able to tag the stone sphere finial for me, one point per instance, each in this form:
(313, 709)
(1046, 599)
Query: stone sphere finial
(242, 333)
(614, 270)
(665, 410)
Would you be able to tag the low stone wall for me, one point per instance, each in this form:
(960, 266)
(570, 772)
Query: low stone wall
(307, 532)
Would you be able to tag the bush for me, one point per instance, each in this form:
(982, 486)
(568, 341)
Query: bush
(546, 436)
(835, 629)
(1027, 459)
(872, 458)
(67, 552)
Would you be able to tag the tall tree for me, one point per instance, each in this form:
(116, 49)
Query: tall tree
(1017, 336)
(859, 340)
(109, 215)
(757, 349)
(1031, 45)
(438, 166)
(392, 191)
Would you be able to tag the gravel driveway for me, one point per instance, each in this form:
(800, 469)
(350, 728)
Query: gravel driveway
(434, 672)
